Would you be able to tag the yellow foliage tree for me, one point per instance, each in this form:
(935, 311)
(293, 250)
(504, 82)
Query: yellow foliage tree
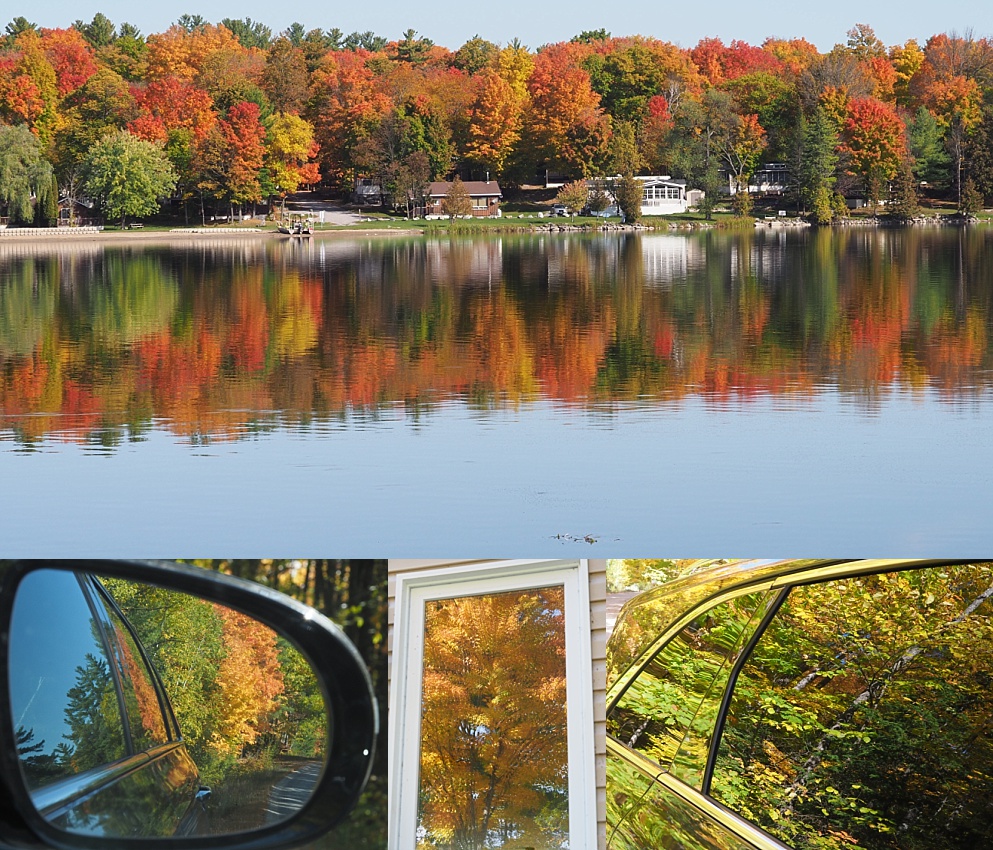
(495, 125)
(250, 681)
(493, 739)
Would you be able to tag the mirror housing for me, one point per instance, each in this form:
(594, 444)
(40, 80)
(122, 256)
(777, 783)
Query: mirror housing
(341, 673)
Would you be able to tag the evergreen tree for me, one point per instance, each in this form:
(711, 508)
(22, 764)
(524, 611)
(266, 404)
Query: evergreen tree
(413, 49)
(99, 32)
(979, 155)
(814, 174)
(249, 33)
(17, 26)
(821, 208)
(905, 205)
(839, 205)
(926, 139)
(972, 201)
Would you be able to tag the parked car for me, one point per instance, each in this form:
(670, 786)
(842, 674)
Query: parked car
(804, 704)
(611, 211)
(91, 753)
(560, 209)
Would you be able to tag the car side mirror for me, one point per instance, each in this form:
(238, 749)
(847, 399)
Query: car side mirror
(165, 703)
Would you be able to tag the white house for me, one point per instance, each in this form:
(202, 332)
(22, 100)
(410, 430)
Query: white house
(660, 194)
(663, 196)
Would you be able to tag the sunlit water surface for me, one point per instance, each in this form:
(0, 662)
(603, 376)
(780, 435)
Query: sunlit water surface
(809, 393)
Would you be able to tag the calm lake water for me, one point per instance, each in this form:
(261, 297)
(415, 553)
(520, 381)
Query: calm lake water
(777, 393)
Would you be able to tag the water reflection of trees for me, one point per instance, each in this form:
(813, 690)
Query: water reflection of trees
(215, 338)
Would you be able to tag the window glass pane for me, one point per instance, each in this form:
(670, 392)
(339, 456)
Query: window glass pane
(656, 713)
(863, 715)
(493, 752)
(62, 694)
(140, 697)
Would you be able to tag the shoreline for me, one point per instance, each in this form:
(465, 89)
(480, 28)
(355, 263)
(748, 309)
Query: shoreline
(53, 236)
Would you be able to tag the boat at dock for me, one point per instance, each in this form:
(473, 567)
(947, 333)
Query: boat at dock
(296, 228)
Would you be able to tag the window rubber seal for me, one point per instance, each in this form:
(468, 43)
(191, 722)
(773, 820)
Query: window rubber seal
(113, 651)
(739, 664)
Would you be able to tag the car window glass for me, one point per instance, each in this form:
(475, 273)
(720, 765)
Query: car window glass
(863, 715)
(140, 696)
(63, 699)
(657, 711)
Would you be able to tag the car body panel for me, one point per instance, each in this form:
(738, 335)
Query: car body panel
(635, 797)
(150, 795)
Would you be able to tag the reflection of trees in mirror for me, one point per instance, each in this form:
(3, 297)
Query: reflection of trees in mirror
(493, 769)
(249, 707)
(863, 715)
(94, 736)
(352, 593)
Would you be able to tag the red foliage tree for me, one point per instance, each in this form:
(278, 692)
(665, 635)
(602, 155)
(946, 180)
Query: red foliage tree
(171, 104)
(70, 56)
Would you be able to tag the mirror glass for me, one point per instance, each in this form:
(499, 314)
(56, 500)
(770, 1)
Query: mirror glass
(144, 712)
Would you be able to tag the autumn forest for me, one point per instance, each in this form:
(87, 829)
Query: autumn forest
(233, 114)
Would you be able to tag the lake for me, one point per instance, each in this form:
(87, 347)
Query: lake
(784, 392)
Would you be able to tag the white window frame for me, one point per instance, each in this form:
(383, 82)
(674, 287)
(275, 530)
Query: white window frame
(413, 590)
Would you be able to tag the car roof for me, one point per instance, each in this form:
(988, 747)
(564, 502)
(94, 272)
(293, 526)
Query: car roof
(645, 618)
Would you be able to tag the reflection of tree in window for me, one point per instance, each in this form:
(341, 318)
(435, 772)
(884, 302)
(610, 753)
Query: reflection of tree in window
(667, 705)
(144, 711)
(493, 768)
(62, 695)
(40, 766)
(863, 715)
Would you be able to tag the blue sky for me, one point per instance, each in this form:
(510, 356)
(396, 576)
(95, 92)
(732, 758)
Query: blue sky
(451, 23)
